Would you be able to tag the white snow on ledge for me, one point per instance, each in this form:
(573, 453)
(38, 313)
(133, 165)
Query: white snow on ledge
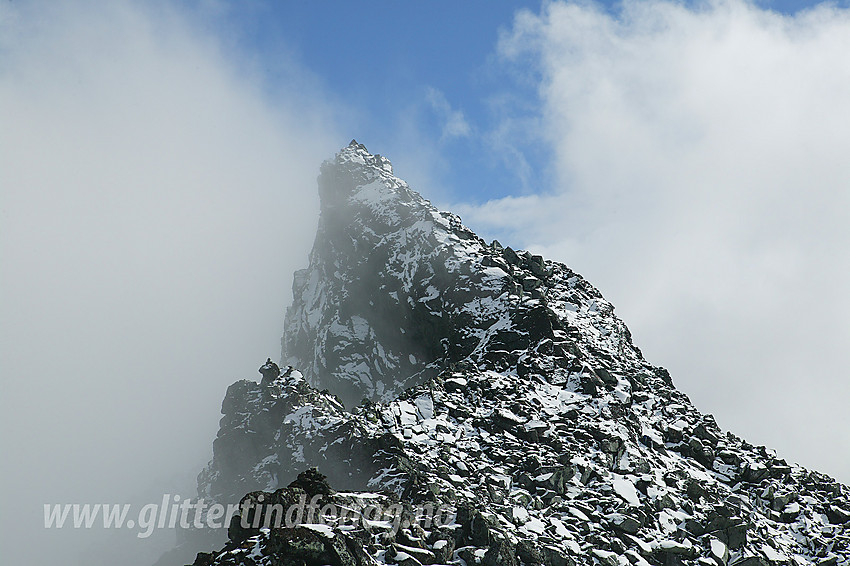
(626, 489)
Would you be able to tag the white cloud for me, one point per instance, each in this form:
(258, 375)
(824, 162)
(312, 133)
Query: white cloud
(154, 197)
(703, 186)
(454, 124)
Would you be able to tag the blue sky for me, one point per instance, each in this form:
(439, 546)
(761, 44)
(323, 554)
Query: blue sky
(157, 191)
(381, 62)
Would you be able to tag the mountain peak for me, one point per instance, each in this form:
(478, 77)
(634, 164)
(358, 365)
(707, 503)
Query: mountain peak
(503, 388)
(397, 291)
(356, 152)
(374, 311)
(353, 166)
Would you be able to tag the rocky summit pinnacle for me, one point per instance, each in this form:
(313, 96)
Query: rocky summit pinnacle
(500, 388)
(396, 290)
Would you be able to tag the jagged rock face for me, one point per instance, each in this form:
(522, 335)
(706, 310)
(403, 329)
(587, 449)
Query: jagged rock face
(542, 426)
(394, 291)
(269, 431)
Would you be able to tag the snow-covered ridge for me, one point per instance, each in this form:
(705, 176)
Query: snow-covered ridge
(506, 389)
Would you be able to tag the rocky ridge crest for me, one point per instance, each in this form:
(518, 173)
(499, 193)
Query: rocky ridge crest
(503, 386)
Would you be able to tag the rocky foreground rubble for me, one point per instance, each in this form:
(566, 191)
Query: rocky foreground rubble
(500, 388)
